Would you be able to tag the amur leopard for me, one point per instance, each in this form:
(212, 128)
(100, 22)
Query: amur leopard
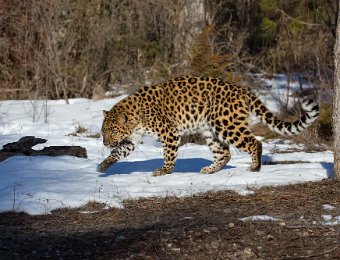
(217, 109)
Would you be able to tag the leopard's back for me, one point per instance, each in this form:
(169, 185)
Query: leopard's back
(190, 102)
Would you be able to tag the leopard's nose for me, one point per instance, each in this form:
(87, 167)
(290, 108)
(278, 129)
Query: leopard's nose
(106, 143)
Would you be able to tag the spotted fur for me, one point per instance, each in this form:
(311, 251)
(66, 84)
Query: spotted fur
(217, 109)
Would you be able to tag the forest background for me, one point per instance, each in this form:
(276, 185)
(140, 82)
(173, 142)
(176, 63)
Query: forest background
(72, 48)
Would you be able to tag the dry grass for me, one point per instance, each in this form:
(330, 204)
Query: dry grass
(83, 131)
(205, 226)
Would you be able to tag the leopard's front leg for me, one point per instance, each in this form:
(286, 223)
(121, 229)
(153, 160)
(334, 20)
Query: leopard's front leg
(119, 152)
(170, 146)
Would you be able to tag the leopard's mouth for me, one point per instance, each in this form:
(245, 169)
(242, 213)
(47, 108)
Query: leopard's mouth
(112, 145)
(118, 144)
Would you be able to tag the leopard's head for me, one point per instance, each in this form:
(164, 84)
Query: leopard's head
(115, 128)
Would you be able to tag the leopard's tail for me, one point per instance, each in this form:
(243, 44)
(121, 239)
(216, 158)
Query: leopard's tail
(311, 113)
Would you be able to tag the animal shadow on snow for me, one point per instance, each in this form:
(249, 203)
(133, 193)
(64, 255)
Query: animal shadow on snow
(329, 168)
(182, 165)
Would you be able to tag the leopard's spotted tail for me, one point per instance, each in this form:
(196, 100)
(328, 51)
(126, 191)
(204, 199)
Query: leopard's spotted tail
(309, 106)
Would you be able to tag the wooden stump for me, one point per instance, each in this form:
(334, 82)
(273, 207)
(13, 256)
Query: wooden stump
(25, 144)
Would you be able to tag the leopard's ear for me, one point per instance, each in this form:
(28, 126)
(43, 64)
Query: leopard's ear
(122, 118)
(105, 113)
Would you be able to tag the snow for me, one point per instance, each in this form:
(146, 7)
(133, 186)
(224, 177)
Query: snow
(260, 218)
(281, 89)
(40, 184)
(328, 207)
(329, 220)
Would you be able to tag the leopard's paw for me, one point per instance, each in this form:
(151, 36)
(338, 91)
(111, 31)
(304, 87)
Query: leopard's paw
(160, 172)
(208, 170)
(103, 167)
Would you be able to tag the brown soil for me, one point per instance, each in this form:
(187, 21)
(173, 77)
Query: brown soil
(204, 226)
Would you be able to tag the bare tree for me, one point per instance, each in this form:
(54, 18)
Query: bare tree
(336, 101)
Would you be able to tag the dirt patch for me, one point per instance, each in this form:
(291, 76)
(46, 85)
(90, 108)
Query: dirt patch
(204, 226)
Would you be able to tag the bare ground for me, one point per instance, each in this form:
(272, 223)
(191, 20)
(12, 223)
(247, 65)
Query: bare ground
(204, 226)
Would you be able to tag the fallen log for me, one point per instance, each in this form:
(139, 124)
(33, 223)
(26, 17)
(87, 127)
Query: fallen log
(25, 144)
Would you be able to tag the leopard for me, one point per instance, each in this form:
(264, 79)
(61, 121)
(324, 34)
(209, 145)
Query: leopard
(213, 107)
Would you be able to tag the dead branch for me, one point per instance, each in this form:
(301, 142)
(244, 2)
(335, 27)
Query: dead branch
(25, 144)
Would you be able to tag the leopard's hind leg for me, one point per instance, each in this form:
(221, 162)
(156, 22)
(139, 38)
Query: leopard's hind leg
(254, 147)
(236, 132)
(241, 138)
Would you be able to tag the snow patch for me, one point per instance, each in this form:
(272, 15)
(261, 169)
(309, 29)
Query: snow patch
(260, 218)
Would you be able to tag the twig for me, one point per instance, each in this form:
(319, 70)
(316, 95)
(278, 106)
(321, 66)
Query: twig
(14, 89)
(296, 20)
(312, 256)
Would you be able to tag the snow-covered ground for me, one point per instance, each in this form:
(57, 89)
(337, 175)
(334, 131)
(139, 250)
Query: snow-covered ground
(40, 184)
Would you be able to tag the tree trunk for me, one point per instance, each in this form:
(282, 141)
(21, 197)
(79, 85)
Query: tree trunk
(191, 21)
(336, 102)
